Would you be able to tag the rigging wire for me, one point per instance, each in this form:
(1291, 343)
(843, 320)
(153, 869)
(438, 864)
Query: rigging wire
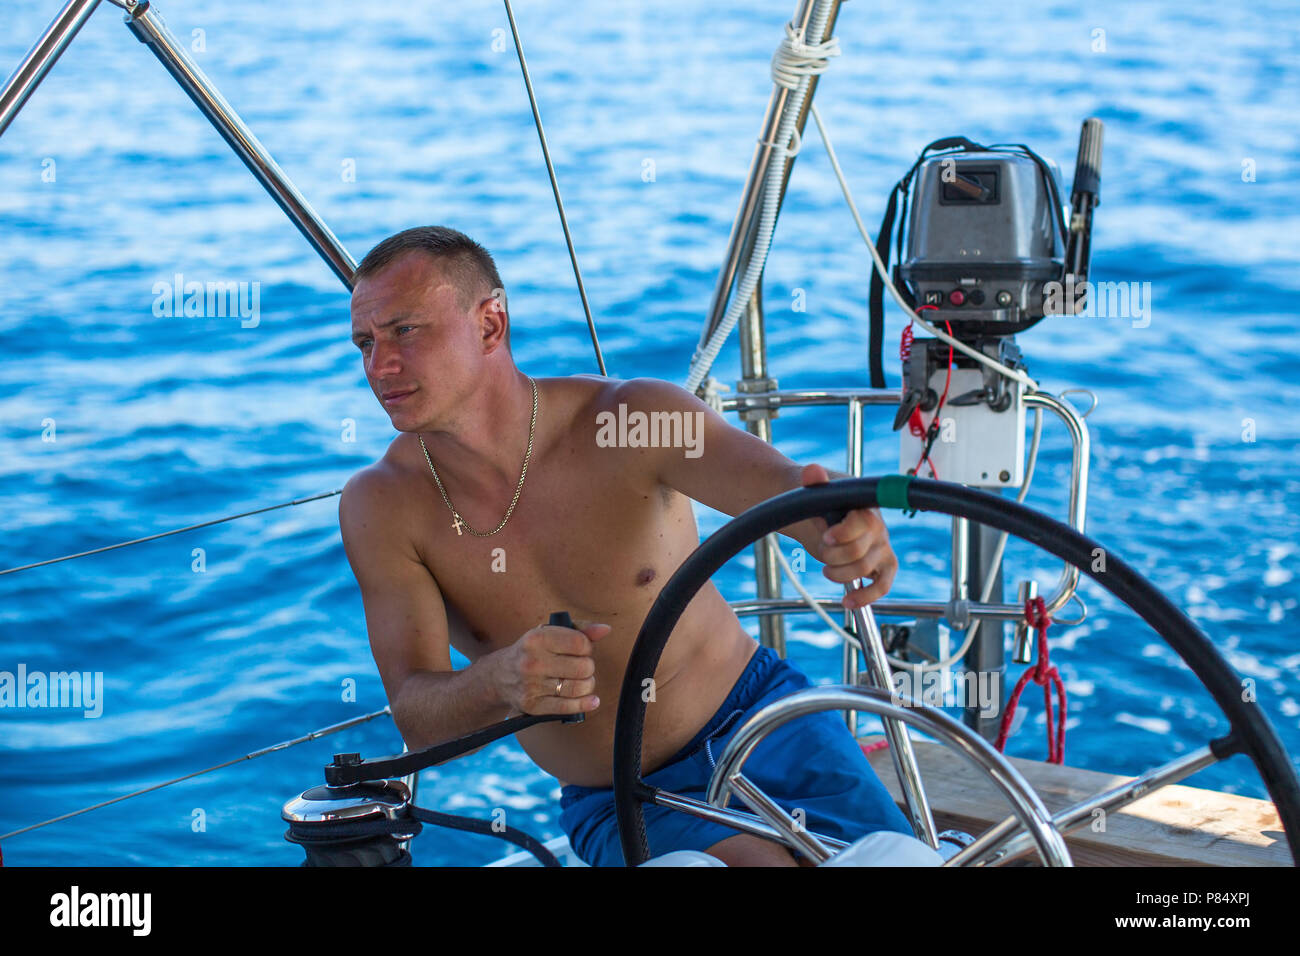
(283, 745)
(164, 534)
(555, 188)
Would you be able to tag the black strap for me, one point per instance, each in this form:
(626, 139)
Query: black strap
(876, 299)
(473, 825)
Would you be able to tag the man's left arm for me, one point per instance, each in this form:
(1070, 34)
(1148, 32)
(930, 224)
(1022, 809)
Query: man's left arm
(731, 470)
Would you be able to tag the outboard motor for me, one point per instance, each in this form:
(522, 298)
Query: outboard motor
(987, 253)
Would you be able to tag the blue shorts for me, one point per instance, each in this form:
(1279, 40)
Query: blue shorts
(811, 763)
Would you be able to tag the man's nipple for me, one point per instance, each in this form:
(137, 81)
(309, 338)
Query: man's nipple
(645, 576)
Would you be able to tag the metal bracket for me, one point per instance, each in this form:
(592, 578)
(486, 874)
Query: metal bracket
(764, 403)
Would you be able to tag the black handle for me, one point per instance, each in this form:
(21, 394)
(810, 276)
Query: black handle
(834, 517)
(1087, 165)
(350, 768)
(562, 619)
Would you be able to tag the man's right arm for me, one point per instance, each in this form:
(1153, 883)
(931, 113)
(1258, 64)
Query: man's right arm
(407, 623)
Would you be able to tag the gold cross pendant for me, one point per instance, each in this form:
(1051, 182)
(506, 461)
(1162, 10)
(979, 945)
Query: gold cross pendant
(457, 523)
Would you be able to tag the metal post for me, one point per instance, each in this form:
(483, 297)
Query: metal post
(753, 349)
(150, 29)
(853, 466)
(41, 57)
(901, 752)
(753, 364)
(740, 241)
(987, 655)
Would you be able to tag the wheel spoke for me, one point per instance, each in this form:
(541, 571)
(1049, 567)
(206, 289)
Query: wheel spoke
(745, 822)
(791, 830)
(900, 744)
(1008, 838)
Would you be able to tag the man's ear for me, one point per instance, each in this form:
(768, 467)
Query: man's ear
(494, 321)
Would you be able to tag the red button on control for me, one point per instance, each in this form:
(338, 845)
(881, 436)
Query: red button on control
(956, 297)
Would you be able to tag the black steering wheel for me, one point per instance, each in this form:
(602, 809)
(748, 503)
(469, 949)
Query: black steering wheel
(1251, 733)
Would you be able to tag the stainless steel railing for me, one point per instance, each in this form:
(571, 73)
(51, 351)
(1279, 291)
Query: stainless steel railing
(148, 26)
(959, 609)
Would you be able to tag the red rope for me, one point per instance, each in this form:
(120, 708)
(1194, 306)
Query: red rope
(1045, 674)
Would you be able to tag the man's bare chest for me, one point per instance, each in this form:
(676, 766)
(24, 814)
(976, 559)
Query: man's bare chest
(600, 550)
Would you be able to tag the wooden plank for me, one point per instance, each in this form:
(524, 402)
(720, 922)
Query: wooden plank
(1174, 826)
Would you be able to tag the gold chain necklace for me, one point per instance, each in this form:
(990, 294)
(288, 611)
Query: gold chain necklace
(457, 521)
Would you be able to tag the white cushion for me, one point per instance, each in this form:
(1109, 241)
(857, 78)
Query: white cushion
(886, 848)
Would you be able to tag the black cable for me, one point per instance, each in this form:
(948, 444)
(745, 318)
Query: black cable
(472, 825)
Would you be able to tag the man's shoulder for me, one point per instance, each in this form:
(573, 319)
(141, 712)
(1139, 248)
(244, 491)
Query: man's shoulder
(606, 394)
(593, 401)
(378, 481)
(584, 396)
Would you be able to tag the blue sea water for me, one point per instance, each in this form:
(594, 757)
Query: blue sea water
(392, 115)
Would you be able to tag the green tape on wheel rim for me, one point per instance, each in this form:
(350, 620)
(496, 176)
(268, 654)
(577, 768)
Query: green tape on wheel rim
(891, 492)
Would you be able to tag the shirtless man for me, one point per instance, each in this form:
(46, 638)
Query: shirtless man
(450, 544)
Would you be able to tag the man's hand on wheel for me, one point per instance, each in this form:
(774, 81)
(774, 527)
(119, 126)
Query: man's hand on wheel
(857, 547)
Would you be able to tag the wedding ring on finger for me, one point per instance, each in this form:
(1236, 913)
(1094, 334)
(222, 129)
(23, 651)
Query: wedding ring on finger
(559, 684)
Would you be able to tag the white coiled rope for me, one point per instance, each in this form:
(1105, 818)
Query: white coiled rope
(794, 64)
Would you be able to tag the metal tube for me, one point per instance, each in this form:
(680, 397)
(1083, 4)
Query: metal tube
(849, 666)
(853, 466)
(806, 107)
(753, 365)
(960, 562)
(745, 822)
(812, 396)
(150, 29)
(986, 654)
(747, 215)
(901, 752)
(1078, 506)
(767, 576)
(1080, 443)
(855, 438)
(41, 57)
(1006, 839)
(776, 816)
(889, 607)
(742, 228)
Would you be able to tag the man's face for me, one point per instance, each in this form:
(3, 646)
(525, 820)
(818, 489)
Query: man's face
(419, 347)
